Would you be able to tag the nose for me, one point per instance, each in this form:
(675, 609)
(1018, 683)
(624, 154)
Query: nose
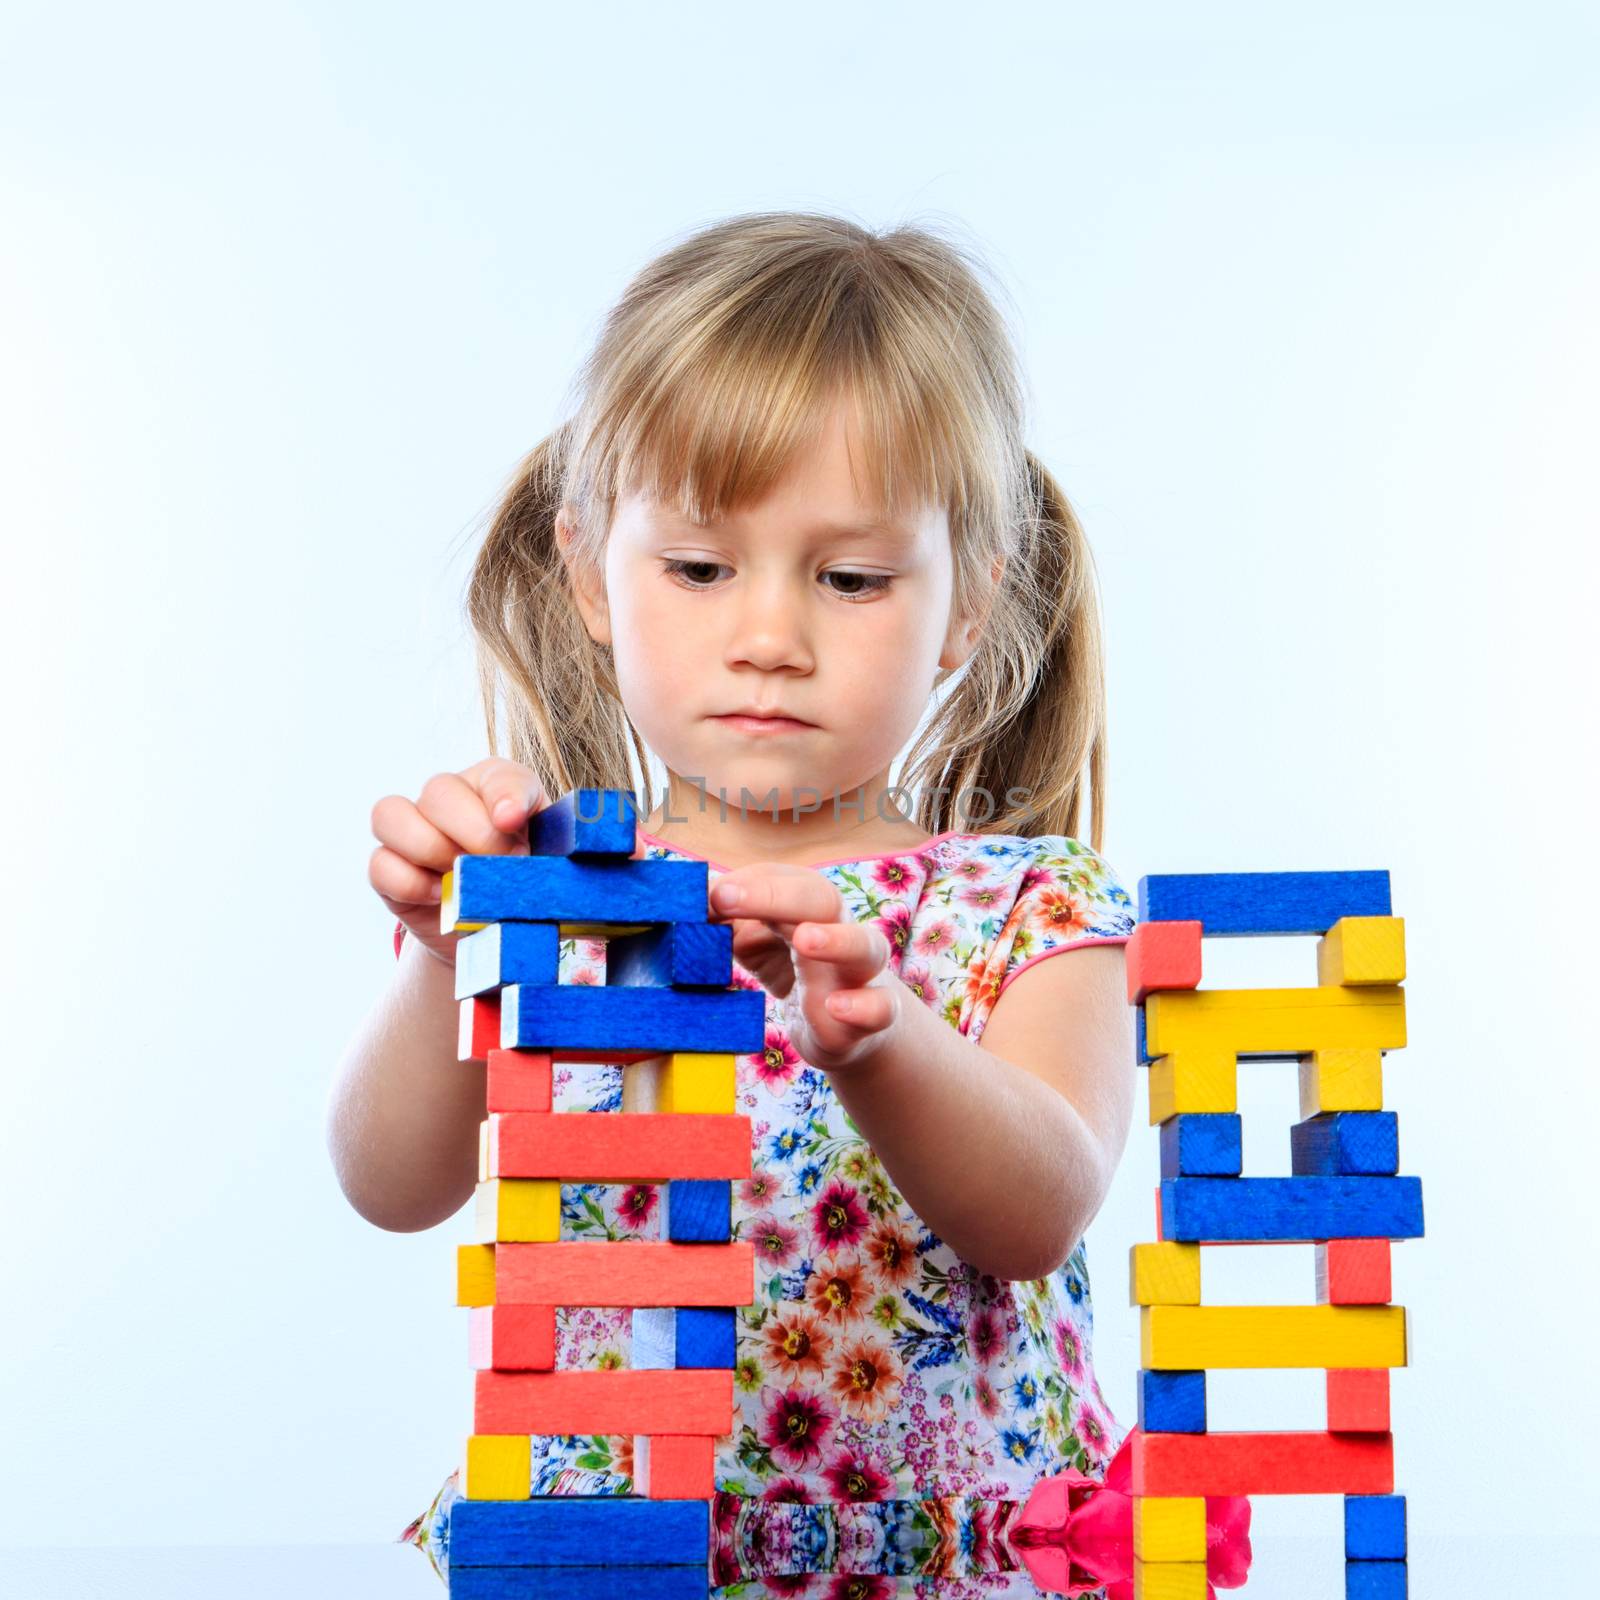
(769, 627)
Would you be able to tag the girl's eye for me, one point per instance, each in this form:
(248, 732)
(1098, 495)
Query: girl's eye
(701, 574)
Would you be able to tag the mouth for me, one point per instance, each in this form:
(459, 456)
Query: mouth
(741, 722)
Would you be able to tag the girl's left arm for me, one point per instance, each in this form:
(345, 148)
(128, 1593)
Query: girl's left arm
(1005, 1149)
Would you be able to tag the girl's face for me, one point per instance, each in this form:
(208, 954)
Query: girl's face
(809, 605)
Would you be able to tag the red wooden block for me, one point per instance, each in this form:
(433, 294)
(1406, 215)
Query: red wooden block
(584, 1401)
(1358, 1400)
(1163, 955)
(625, 1146)
(1259, 1463)
(1161, 1238)
(519, 1080)
(604, 1272)
(675, 1466)
(479, 1030)
(1354, 1272)
(512, 1338)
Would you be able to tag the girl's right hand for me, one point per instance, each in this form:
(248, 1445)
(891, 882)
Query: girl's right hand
(483, 811)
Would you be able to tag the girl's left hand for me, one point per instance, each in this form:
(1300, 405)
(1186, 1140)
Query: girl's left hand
(790, 930)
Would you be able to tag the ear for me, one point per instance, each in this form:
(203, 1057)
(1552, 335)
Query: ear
(961, 639)
(587, 581)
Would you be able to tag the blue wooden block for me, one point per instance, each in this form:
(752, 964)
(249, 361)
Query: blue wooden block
(1345, 1143)
(588, 1016)
(568, 1531)
(507, 952)
(1375, 1580)
(565, 889)
(1202, 1144)
(681, 953)
(1375, 1527)
(585, 822)
(697, 1211)
(1303, 1209)
(1242, 904)
(683, 1337)
(1172, 1402)
(579, 1583)
(1140, 1050)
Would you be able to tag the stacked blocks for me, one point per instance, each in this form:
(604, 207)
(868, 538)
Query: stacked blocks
(668, 1013)
(1345, 1197)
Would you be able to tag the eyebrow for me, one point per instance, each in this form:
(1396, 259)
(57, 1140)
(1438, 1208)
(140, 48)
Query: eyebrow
(894, 531)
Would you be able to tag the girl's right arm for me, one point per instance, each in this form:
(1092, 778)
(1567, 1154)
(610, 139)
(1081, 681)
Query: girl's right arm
(403, 1115)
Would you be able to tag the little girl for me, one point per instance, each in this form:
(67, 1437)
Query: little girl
(791, 503)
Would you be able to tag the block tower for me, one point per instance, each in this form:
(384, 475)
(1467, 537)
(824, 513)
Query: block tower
(1343, 1197)
(667, 1013)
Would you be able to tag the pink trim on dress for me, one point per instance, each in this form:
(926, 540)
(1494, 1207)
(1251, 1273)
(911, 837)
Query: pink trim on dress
(1060, 949)
(841, 861)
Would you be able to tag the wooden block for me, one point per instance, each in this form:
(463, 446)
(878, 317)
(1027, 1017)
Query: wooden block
(583, 1401)
(1341, 1080)
(1172, 1402)
(622, 1147)
(1375, 1580)
(682, 953)
(588, 1272)
(483, 1151)
(698, 1081)
(683, 1337)
(675, 1466)
(1261, 1463)
(578, 1583)
(1202, 1145)
(512, 1338)
(581, 1016)
(1265, 1210)
(604, 893)
(1164, 1275)
(527, 1210)
(507, 952)
(1346, 1143)
(1273, 1022)
(498, 1466)
(1246, 904)
(1169, 1580)
(570, 1530)
(479, 1029)
(519, 1080)
(1171, 1529)
(586, 822)
(1179, 1338)
(697, 1211)
(1194, 1081)
(1354, 1272)
(1375, 1527)
(1363, 950)
(1358, 1400)
(475, 1271)
(1162, 955)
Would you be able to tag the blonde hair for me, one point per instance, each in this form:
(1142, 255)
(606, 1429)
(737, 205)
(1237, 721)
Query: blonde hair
(719, 361)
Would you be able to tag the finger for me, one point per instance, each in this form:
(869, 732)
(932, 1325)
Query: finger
(761, 951)
(510, 792)
(457, 810)
(865, 1011)
(401, 882)
(397, 823)
(855, 954)
(778, 893)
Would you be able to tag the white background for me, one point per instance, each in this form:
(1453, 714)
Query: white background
(1309, 307)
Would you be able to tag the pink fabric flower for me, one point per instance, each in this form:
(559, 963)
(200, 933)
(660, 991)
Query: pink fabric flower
(1076, 1535)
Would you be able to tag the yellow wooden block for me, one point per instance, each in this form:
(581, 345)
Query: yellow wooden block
(1170, 1529)
(450, 908)
(1275, 1021)
(1193, 1080)
(1341, 1080)
(474, 1274)
(483, 1151)
(696, 1081)
(1169, 1580)
(1181, 1338)
(522, 1210)
(499, 1466)
(1164, 1275)
(1363, 950)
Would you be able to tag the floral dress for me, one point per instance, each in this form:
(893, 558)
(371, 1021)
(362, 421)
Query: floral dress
(893, 1404)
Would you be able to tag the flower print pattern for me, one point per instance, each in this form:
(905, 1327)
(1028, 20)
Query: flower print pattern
(891, 1401)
